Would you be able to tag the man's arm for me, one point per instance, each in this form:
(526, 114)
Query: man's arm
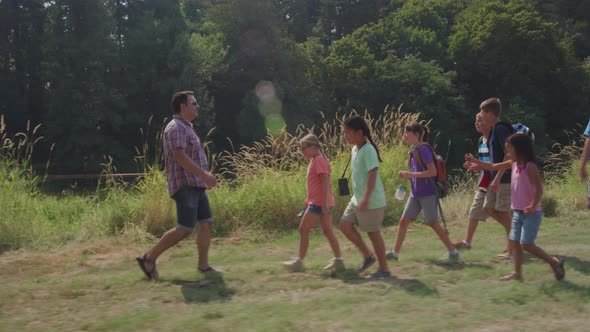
(189, 165)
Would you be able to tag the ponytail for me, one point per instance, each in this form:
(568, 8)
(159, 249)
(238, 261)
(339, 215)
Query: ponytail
(418, 129)
(358, 123)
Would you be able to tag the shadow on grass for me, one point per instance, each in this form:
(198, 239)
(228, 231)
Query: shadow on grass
(208, 289)
(461, 265)
(413, 286)
(576, 263)
(566, 286)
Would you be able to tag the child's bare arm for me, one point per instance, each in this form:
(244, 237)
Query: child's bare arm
(535, 177)
(490, 166)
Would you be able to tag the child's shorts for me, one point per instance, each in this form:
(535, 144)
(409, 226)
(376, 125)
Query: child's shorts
(316, 209)
(476, 212)
(417, 204)
(370, 220)
(499, 200)
(525, 228)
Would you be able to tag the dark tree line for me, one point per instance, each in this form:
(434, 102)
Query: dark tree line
(94, 71)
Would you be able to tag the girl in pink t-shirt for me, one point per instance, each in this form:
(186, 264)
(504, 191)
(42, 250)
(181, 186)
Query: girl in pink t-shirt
(527, 190)
(319, 204)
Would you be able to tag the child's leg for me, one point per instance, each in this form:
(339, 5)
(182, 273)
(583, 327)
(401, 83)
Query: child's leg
(471, 227)
(517, 260)
(539, 252)
(442, 235)
(516, 249)
(353, 235)
(430, 206)
(379, 246)
(517, 257)
(309, 220)
(476, 213)
(402, 229)
(497, 206)
(410, 213)
(530, 228)
(328, 230)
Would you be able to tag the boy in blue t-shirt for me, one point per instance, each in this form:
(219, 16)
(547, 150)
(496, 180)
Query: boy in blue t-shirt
(497, 201)
(476, 212)
(585, 156)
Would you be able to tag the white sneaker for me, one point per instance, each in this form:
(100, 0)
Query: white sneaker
(335, 264)
(295, 265)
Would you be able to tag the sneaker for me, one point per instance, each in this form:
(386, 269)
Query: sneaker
(379, 275)
(366, 264)
(450, 257)
(210, 270)
(462, 245)
(295, 265)
(391, 255)
(335, 264)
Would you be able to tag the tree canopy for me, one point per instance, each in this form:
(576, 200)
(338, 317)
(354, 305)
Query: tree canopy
(94, 72)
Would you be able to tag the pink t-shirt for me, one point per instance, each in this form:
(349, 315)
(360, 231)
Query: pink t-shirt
(319, 165)
(523, 191)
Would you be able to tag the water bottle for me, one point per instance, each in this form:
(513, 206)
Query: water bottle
(400, 193)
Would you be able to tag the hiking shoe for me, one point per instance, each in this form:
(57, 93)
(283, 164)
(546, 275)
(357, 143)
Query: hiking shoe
(295, 265)
(366, 264)
(462, 245)
(379, 275)
(392, 256)
(335, 264)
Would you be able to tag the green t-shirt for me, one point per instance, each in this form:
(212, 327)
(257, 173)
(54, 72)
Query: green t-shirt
(364, 160)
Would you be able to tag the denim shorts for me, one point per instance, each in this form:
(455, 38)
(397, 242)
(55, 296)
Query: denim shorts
(192, 207)
(525, 228)
(316, 209)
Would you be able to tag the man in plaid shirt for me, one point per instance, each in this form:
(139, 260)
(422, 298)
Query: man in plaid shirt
(188, 177)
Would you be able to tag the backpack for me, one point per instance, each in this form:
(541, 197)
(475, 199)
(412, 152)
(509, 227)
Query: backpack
(440, 179)
(520, 127)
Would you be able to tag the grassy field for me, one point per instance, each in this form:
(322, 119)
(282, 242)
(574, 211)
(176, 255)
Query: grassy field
(97, 286)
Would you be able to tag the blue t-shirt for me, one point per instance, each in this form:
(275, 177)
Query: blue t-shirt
(421, 187)
(587, 132)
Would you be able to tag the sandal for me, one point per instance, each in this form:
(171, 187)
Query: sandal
(512, 276)
(559, 270)
(208, 269)
(153, 274)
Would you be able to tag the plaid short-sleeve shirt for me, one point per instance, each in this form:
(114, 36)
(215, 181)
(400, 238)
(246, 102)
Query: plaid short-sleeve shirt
(179, 133)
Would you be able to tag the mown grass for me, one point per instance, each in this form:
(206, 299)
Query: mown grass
(97, 286)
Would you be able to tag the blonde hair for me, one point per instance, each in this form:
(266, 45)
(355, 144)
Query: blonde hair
(311, 140)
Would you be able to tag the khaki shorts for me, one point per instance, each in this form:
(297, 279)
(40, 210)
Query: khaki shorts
(476, 212)
(370, 220)
(499, 200)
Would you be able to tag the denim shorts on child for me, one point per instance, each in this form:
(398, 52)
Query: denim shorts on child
(525, 228)
(417, 204)
(316, 209)
(192, 207)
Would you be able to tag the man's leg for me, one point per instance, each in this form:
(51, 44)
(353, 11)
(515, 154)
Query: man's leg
(169, 239)
(203, 242)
